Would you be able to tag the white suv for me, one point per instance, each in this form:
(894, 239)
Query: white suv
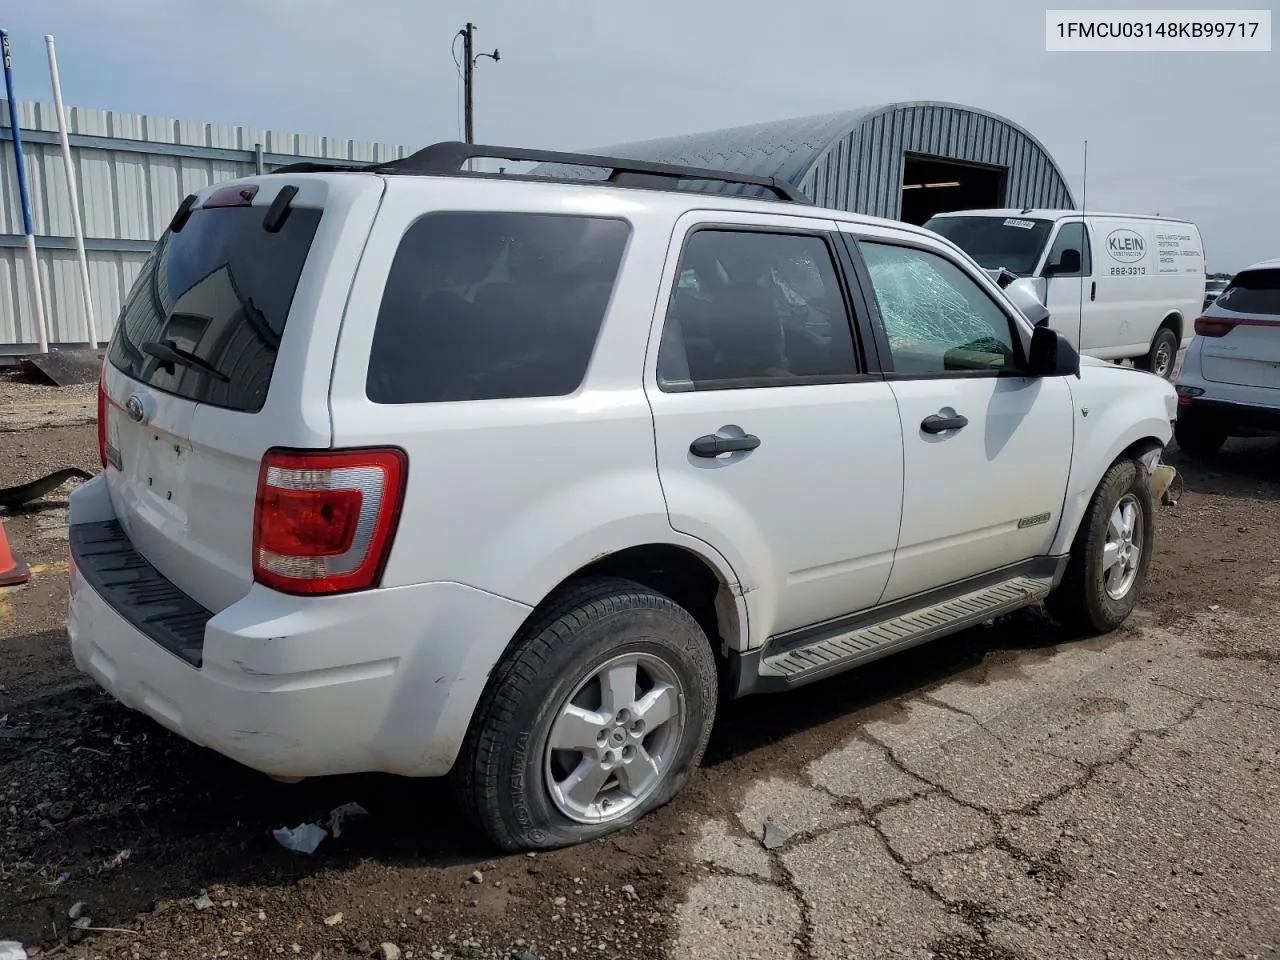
(413, 470)
(1229, 385)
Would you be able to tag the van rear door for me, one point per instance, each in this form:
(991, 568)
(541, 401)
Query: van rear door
(1241, 332)
(223, 350)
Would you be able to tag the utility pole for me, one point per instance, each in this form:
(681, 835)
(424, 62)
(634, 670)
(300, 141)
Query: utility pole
(470, 58)
(468, 78)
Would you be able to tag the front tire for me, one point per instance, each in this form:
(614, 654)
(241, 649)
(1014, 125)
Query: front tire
(1110, 556)
(1162, 356)
(599, 714)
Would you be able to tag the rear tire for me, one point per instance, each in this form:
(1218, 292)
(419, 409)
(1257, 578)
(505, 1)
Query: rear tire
(1163, 355)
(1104, 579)
(565, 680)
(1197, 439)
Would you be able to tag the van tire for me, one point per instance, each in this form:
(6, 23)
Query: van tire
(1081, 603)
(1163, 355)
(505, 774)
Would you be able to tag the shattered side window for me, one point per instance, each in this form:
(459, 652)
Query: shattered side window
(938, 320)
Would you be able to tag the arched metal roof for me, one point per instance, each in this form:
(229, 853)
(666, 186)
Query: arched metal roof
(853, 159)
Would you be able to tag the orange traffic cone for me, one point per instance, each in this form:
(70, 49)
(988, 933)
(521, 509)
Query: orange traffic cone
(13, 569)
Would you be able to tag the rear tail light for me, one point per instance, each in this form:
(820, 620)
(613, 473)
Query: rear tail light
(1187, 394)
(1214, 326)
(325, 520)
(102, 415)
(1221, 326)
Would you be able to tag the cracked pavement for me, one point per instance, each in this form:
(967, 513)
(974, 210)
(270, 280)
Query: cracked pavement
(1104, 801)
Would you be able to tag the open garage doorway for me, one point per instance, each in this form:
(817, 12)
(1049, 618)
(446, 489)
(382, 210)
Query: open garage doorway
(932, 185)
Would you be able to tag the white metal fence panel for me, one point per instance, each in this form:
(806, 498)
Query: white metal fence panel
(131, 171)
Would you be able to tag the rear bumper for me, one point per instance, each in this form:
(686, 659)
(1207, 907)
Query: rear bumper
(383, 680)
(1233, 417)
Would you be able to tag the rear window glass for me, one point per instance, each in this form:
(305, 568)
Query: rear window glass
(1254, 291)
(1014, 243)
(484, 306)
(205, 316)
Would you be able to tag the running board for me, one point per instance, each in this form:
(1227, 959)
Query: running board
(827, 653)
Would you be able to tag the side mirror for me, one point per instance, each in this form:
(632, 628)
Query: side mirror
(1068, 263)
(1051, 355)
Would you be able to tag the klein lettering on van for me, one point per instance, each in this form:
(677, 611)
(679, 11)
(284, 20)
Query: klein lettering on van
(1126, 246)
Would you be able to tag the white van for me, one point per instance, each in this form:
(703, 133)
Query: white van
(1140, 280)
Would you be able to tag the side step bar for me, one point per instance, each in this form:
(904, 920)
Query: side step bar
(801, 657)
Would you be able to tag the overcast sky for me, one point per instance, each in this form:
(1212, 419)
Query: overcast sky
(1191, 135)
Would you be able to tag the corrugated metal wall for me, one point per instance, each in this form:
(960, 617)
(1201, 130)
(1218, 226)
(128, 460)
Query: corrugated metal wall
(862, 170)
(132, 171)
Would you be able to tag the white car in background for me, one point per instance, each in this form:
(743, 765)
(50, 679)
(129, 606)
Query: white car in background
(1229, 385)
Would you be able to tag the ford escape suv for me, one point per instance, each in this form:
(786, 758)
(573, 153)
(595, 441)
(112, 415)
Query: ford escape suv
(514, 478)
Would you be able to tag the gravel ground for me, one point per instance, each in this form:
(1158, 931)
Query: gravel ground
(1009, 794)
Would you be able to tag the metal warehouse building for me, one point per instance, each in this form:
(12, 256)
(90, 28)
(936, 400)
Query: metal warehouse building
(903, 161)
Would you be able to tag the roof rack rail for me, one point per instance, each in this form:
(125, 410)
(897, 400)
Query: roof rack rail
(451, 157)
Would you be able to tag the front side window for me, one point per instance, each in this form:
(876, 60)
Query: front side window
(485, 306)
(938, 320)
(754, 309)
(1071, 236)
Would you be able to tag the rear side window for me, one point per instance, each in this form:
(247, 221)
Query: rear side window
(486, 306)
(755, 309)
(1253, 291)
(205, 316)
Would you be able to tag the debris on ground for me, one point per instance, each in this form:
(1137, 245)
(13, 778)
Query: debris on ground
(307, 837)
(11, 497)
(774, 835)
(343, 813)
(304, 838)
(64, 368)
(204, 902)
(12, 950)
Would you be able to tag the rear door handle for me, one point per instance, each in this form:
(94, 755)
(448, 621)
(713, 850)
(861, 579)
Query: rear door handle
(937, 423)
(712, 445)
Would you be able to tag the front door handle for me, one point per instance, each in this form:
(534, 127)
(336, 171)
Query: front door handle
(712, 445)
(940, 424)
(1093, 290)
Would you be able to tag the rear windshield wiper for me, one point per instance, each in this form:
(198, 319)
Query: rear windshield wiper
(167, 353)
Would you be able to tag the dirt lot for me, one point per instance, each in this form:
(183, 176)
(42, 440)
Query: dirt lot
(1010, 794)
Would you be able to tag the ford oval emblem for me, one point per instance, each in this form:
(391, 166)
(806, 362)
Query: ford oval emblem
(134, 408)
